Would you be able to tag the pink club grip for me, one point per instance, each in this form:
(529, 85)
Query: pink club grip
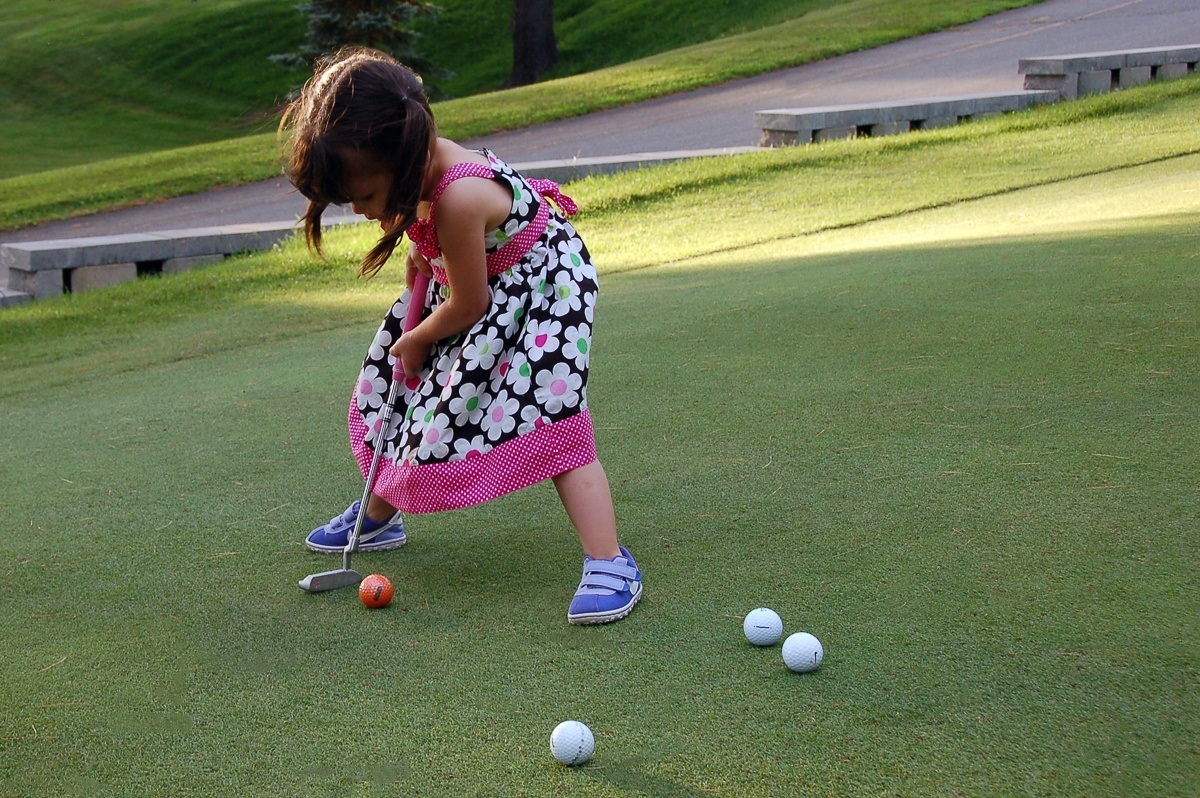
(416, 303)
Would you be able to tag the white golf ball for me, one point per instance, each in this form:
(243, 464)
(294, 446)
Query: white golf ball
(572, 743)
(802, 652)
(763, 627)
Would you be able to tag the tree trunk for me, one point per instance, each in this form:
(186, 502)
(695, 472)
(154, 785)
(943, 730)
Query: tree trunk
(534, 48)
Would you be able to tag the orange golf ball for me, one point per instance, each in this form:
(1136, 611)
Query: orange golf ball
(375, 591)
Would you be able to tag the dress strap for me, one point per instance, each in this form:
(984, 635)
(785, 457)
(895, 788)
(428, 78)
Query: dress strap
(423, 232)
(460, 170)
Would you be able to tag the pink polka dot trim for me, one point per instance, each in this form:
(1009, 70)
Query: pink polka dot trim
(546, 452)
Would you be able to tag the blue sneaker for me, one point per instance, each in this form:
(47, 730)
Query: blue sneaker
(608, 590)
(331, 538)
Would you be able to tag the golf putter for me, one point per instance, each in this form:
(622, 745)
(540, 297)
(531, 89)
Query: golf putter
(346, 576)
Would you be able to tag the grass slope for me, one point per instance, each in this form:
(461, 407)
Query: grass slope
(689, 209)
(83, 81)
(819, 30)
(955, 443)
(596, 34)
(472, 38)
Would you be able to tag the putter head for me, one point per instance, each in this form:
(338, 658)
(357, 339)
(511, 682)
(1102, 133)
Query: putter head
(330, 580)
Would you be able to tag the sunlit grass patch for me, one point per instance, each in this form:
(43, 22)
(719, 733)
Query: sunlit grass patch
(664, 215)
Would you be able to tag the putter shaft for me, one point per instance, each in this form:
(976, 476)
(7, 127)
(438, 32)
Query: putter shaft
(332, 580)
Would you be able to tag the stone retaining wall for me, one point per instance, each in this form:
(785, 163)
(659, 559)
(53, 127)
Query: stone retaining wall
(1047, 79)
(784, 126)
(1075, 75)
(40, 269)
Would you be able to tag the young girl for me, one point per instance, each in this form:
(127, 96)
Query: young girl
(495, 392)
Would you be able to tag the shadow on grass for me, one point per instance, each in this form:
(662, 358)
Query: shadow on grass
(634, 777)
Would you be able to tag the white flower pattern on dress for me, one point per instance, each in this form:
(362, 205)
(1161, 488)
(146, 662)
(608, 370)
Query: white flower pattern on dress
(481, 353)
(424, 414)
(570, 250)
(449, 382)
(371, 388)
(519, 374)
(522, 198)
(379, 348)
(531, 419)
(435, 440)
(541, 338)
(500, 372)
(513, 317)
(465, 449)
(469, 405)
(577, 345)
(521, 368)
(501, 416)
(558, 388)
(566, 295)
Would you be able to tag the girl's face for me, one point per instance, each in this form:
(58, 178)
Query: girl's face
(368, 184)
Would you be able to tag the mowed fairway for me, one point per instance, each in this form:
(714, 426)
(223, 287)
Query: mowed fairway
(957, 444)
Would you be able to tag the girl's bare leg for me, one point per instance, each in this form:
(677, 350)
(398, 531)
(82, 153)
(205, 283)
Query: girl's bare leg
(585, 495)
(379, 510)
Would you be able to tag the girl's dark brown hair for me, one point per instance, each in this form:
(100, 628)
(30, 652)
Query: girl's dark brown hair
(363, 100)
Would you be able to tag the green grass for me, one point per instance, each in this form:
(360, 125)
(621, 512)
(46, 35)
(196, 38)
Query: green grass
(591, 34)
(32, 192)
(955, 442)
(692, 208)
(595, 34)
(83, 81)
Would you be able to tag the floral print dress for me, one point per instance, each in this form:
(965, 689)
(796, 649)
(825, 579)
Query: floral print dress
(503, 405)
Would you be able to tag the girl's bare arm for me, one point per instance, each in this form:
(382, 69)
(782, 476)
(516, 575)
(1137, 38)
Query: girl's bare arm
(465, 212)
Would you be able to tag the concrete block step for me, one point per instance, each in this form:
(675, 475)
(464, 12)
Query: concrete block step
(46, 268)
(160, 245)
(804, 125)
(1110, 60)
(9, 297)
(1075, 75)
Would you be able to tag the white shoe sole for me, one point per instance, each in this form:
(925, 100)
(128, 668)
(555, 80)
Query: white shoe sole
(590, 618)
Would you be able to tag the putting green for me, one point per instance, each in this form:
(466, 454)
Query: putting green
(957, 445)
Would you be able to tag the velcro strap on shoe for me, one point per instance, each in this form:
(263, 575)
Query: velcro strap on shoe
(611, 567)
(599, 583)
(600, 576)
(345, 519)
